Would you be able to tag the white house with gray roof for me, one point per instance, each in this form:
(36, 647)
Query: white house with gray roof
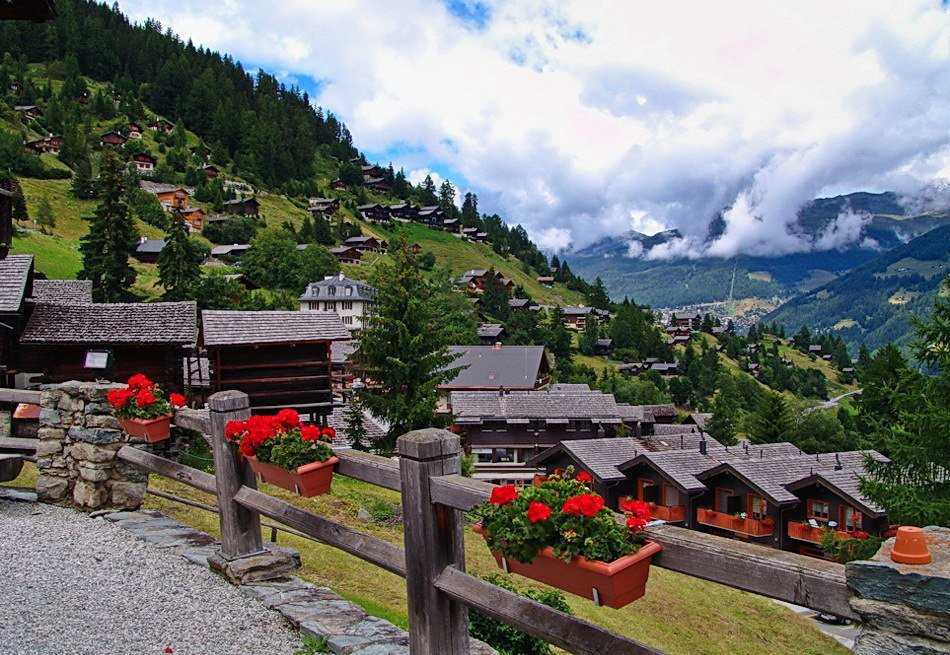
(351, 300)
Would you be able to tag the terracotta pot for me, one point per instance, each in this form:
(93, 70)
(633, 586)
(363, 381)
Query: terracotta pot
(152, 430)
(613, 584)
(910, 546)
(312, 479)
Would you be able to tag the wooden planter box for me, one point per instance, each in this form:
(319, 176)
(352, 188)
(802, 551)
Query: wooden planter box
(614, 584)
(312, 479)
(670, 514)
(152, 430)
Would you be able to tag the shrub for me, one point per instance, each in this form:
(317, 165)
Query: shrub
(506, 639)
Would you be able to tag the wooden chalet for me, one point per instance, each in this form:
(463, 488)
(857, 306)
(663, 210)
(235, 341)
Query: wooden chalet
(193, 216)
(144, 163)
(604, 347)
(230, 252)
(597, 455)
(161, 125)
(47, 145)
(689, 320)
(324, 206)
(490, 333)
(575, 318)
(62, 292)
(16, 285)
(403, 211)
(346, 254)
(28, 111)
(545, 280)
(432, 215)
(6, 217)
(133, 131)
(148, 250)
(242, 206)
(474, 280)
(109, 341)
(380, 184)
(279, 358)
(498, 368)
(366, 244)
(666, 369)
(211, 171)
(519, 303)
(375, 213)
(451, 225)
(338, 184)
(171, 196)
(112, 138)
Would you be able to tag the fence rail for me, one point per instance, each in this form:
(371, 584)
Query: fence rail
(439, 591)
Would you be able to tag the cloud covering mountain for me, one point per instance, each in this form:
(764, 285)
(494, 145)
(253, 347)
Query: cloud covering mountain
(587, 118)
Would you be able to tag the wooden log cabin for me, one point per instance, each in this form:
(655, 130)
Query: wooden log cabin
(16, 285)
(109, 341)
(278, 358)
(6, 217)
(242, 206)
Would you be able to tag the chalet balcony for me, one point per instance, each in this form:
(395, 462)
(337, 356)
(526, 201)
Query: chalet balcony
(670, 514)
(749, 527)
(804, 532)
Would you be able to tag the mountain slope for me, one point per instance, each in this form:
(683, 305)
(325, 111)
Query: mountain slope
(873, 303)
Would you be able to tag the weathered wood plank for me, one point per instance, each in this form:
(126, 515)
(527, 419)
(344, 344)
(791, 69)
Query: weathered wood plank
(20, 396)
(562, 630)
(460, 492)
(806, 581)
(381, 471)
(434, 540)
(190, 476)
(18, 444)
(367, 547)
(193, 419)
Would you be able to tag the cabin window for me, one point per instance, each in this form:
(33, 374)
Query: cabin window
(347, 320)
(347, 304)
(722, 500)
(758, 508)
(483, 455)
(646, 490)
(820, 510)
(331, 291)
(349, 291)
(671, 497)
(505, 455)
(329, 306)
(850, 518)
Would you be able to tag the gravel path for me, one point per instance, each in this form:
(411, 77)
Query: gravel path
(71, 585)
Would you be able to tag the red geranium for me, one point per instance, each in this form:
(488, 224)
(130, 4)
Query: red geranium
(328, 434)
(144, 397)
(859, 534)
(635, 523)
(177, 400)
(637, 508)
(538, 512)
(119, 398)
(585, 477)
(310, 433)
(288, 418)
(234, 429)
(140, 381)
(503, 495)
(583, 505)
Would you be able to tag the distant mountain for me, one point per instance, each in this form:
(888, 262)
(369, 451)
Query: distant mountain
(873, 303)
(674, 282)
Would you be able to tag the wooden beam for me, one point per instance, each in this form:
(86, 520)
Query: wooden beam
(190, 476)
(18, 444)
(193, 419)
(20, 396)
(367, 547)
(381, 471)
(555, 627)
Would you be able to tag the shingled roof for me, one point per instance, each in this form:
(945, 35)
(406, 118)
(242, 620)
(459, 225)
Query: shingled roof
(492, 367)
(63, 292)
(600, 457)
(673, 428)
(845, 483)
(156, 323)
(14, 274)
(231, 328)
(339, 287)
(482, 405)
(679, 441)
(680, 467)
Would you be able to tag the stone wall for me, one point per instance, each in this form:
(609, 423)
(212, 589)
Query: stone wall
(76, 454)
(905, 609)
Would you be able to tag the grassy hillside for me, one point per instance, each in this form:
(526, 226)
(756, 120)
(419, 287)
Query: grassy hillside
(681, 615)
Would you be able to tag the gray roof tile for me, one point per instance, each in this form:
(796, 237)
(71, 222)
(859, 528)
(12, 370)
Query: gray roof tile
(160, 322)
(14, 274)
(227, 328)
(488, 367)
(339, 287)
(63, 292)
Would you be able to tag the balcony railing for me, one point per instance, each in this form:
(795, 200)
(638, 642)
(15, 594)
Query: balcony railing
(670, 514)
(804, 532)
(747, 526)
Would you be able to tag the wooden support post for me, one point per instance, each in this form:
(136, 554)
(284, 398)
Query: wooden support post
(438, 625)
(240, 526)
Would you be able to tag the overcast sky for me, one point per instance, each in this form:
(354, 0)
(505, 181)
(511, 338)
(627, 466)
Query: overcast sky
(586, 118)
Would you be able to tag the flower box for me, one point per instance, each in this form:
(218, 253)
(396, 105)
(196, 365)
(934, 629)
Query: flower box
(152, 430)
(309, 480)
(614, 584)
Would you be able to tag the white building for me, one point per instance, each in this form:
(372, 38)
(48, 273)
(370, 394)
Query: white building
(350, 299)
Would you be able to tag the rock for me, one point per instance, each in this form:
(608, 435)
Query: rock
(51, 489)
(95, 473)
(88, 452)
(888, 643)
(89, 495)
(70, 404)
(902, 619)
(128, 495)
(50, 397)
(95, 435)
(97, 408)
(363, 514)
(55, 434)
(128, 472)
(50, 417)
(48, 447)
(253, 568)
(102, 421)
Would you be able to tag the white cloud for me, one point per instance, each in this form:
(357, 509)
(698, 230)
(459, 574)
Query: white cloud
(577, 116)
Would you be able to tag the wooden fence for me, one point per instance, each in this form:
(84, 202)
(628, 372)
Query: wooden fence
(434, 497)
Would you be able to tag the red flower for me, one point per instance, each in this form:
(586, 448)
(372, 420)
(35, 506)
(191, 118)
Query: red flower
(860, 534)
(637, 508)
(538, 512)
(288, 418)
(635, 523)
(140, 381)
(144, 398)
(177, 400)
(119, 398)
(247, 447)
(310, 433)
(583, 505)
(503, 495)
(328, 434)
(234, 429)
(584, 477)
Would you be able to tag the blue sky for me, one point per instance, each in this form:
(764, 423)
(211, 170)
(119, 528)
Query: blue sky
(586, 118)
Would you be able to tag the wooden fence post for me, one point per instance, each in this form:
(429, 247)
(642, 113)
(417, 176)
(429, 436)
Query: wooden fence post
(240, 527)
(438, 625)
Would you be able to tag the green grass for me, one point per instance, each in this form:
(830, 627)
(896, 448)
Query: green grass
(679, 614)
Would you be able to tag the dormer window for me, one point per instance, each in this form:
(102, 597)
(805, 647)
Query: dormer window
(349, 291)
(331, 291)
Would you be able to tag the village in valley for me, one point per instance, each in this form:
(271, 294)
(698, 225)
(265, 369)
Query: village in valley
(213, 304)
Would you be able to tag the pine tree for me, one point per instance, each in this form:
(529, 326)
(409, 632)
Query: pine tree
(179, 263)
(44, 216)
(306, 234)
(470, 211)
(404, 347)
(495, 297)
(589, 337)
(112, 237)
(427, 192)
(558, 339)
(447, 198)
(355, 425)
(598, 295)
(725, 412)
(772, 421)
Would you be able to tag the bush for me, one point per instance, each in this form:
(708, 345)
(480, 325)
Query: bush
(506, 639)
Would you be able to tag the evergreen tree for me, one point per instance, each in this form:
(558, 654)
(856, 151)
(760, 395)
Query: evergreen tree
(772, 421)
(589, 337)
(112, 237)
(179, 262)
(447, 198)
(725, 412)
(470, 211)
(495, 297)
(598, 295)
(404, 347)
(306, 235)
(802, 339)
(427, 193)
(355, 425)
(44, 216)
(558, 338)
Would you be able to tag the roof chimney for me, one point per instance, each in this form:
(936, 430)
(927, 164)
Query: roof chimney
(838, 465)
(702, 446)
